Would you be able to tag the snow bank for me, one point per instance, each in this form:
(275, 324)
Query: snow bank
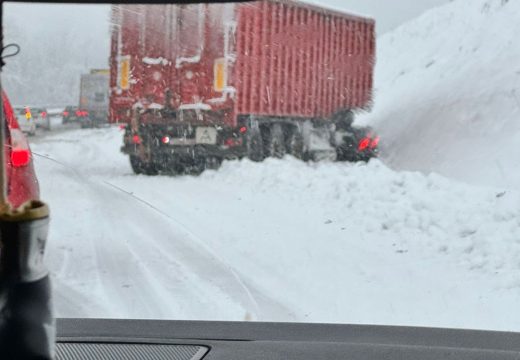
(448, 93)
(362, 243)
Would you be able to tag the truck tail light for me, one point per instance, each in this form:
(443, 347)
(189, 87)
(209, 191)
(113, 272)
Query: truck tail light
(65, 113)
(233, 142)
(364, 144)
(136, 139)
(374, 143)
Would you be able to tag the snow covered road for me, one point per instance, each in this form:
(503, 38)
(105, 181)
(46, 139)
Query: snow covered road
(281, 240)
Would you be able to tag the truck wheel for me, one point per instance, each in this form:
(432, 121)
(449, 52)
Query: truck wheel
(346, 151)
(141, 167)
(295, 144)
(150, 169)
(276, 142)
(136, 164)
(212, 163)
(255, 146)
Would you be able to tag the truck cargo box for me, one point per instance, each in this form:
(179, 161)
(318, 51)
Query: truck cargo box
(220, 62)
(94, 94)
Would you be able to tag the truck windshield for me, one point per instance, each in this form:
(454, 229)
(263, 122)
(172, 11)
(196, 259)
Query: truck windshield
(302, 161)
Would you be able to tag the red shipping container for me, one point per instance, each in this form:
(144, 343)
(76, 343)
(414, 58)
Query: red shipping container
(272, 58)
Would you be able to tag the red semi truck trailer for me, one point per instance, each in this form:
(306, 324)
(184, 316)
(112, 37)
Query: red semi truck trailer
(199, 83)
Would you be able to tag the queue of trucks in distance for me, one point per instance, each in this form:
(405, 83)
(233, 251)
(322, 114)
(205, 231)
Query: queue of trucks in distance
(200, 83)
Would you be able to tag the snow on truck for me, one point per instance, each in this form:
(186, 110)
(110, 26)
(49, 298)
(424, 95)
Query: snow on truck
(94, 98)
(199, 83)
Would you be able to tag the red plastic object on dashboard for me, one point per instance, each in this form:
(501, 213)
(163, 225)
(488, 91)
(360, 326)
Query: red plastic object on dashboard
(279, 58)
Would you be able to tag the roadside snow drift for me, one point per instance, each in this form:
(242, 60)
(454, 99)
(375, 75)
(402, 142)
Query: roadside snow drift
(448, 92)
(281, 240)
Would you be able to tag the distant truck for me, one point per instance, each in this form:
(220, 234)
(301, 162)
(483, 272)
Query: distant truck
(94, 98)
(200, 83)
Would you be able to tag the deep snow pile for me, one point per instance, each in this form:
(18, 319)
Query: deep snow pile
(448, 92)
(281, 240)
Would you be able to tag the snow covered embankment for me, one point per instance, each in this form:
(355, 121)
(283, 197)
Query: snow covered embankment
(448, 93)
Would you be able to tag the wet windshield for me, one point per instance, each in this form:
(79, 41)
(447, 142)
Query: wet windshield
(334, 161)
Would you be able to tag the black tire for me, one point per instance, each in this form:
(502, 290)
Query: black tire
(141, 167)
(276, 142)
(295, 144)
(255, 146)
(150, 169)
(346, 151)
(212, 163)
(136, 164)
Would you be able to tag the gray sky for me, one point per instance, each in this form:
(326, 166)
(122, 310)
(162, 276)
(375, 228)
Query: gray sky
(388, 13)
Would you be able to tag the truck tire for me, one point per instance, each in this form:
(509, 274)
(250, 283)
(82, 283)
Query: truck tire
(205, 163)
(295, 144)
(346, 151)
(255, 146)
(136, 164)
(212, 163)
(276, 142)
(141, 167)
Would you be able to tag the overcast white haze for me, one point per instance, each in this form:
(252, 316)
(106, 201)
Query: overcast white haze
(59, 42)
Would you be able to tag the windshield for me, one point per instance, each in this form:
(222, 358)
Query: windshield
(334, 161)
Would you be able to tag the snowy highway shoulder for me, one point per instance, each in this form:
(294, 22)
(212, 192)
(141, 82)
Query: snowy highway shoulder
(282, 239)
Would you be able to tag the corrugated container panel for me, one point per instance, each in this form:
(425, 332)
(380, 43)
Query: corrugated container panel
(156, 57)
(291, 59)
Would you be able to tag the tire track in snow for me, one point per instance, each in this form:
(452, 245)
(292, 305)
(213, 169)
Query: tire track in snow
(265, 307)
(110, 263)
(190, 234)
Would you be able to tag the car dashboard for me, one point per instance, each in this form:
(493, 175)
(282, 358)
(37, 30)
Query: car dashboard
(80, 339)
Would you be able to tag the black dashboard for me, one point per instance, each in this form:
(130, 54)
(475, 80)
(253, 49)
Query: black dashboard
(185, 340)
